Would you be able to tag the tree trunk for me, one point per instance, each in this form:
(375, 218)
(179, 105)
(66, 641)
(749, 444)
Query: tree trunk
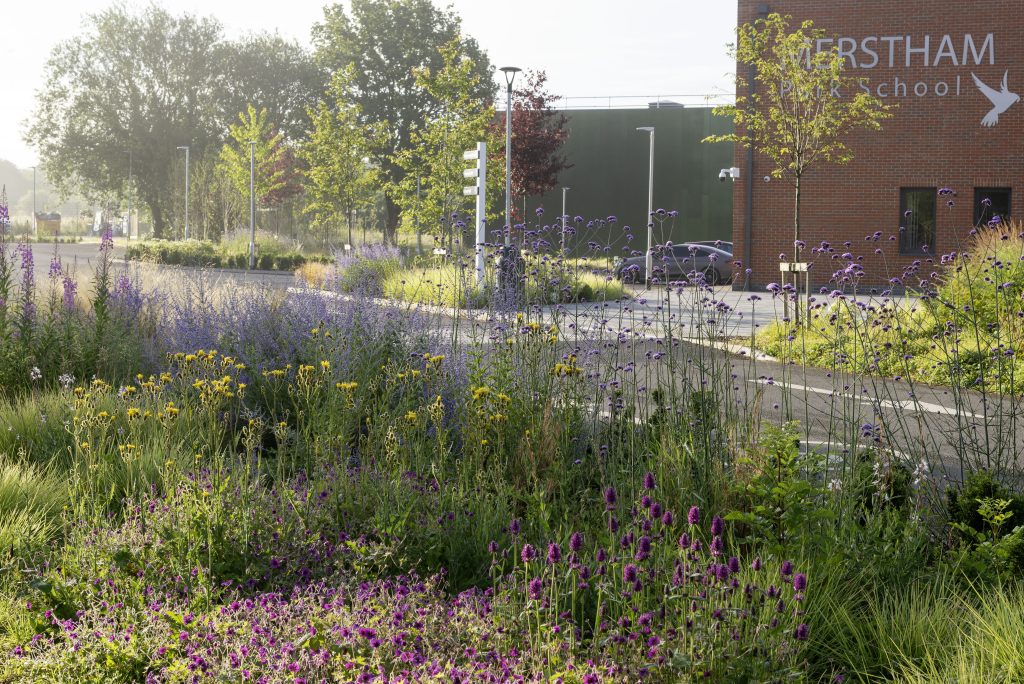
(796, 247)
(391, 221)
(159, 222)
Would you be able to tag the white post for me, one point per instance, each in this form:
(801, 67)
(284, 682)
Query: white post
(252, 205)
(649, 261)
(564, 218)
(481, 211)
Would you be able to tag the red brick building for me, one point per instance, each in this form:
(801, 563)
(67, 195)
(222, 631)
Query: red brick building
(956, 126)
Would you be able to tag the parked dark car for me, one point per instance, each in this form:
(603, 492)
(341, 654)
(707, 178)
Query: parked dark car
(724, 245)
(678, 262)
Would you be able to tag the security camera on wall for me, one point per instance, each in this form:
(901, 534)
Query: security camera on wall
(732, 173)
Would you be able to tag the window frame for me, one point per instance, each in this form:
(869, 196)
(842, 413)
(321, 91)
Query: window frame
(981, 193)
(904, 247)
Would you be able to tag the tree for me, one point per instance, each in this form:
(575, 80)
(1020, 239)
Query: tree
(793, 116)
(385, 41)
(128, 90)
(462, 118)
(538, 133)
(274, 74)
(338, 178)
(276, 175)
(132, 87)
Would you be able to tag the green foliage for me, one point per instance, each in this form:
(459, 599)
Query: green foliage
(386, 43)
(430, 189)
(338, 178)
(274, 167)
(271, 255)
(781, 508)
(990, 523)
(113, 110)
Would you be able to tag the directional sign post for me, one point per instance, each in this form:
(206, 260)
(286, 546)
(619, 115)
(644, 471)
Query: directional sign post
(478, 190)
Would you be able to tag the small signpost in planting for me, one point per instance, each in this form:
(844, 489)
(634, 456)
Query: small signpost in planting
(796, 268)
(479, 190)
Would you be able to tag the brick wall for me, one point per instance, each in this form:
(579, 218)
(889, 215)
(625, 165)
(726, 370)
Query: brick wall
(931, 140)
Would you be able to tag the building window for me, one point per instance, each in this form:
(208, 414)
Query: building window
(990, 203)
(917, 220)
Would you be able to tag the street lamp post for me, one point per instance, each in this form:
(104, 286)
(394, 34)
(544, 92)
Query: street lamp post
(252, 205)
(649, 262)
(35, 223)
(510, 75)
(185, 147)
(564, 217)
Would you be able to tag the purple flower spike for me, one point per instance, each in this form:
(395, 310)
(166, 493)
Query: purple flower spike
(717, 546)
(576, 542)
(528, 553)
(787, 568)
(802, 632)
(629, 573)
(554, 553)
(693, 517)
(649, 481)
(717, 525)
(536, 588)
(800, 581)
(610, 498)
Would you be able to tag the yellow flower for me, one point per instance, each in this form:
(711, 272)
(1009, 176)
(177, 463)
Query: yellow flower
(484, 442)
(132, 412)
(411, 416)
(347, 386)
(481, 392)
(325, 366)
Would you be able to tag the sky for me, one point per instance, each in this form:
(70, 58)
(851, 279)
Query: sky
(595, 52)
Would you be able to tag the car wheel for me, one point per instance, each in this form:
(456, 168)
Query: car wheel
(711, 277)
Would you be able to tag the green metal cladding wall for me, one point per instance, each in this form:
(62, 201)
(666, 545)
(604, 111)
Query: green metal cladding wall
(610, 172)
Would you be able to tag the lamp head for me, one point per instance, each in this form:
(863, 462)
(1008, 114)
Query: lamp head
(646, 129)
(510, 73)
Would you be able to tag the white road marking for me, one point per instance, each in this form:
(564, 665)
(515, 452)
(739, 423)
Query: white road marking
(905, 405)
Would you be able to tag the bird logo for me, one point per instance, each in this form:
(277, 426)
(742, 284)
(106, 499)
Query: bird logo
(1001, 99)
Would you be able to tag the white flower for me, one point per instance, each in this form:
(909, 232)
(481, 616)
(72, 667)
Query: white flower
(66, 380)
(835, 486)
(35, 374)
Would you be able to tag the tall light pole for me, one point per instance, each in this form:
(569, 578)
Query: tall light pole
(649, 262)
(564, 217)
(252, 205)
(35, 224)
(510, 75)
(185, 147)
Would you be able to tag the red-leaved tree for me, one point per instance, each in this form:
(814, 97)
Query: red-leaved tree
(538, 133)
